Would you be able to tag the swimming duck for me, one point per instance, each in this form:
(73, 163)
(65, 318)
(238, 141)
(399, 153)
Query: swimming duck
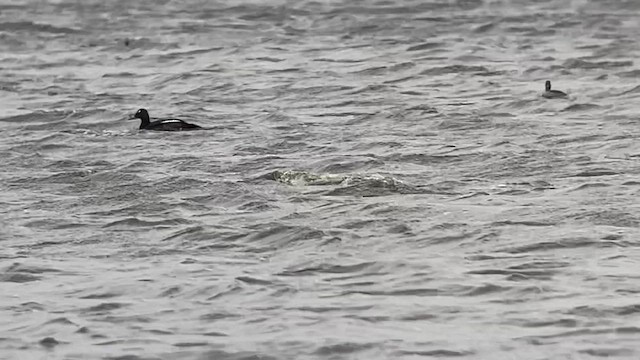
(162, 124)
(552, 94)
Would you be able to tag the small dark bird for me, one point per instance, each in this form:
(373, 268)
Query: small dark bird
(552, 94)
(163, 124)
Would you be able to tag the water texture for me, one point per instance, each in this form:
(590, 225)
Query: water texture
(380, 180)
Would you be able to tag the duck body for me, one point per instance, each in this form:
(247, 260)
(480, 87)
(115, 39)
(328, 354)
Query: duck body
(169, 125)
(163, 124)
(552, 94)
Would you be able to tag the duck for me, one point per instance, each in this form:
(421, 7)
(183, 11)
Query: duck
(552, 94)
(162, 124)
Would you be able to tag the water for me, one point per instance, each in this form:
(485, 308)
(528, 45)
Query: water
(380, 180)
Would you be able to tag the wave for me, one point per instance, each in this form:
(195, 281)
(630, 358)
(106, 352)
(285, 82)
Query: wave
(37, 27)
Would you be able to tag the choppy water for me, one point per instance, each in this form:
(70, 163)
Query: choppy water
(382, 180)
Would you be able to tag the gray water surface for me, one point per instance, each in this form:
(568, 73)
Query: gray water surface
(380, 180)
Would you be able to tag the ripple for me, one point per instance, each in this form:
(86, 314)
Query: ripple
(135, 222)
(31, 26)
(583, 64)
(455, 69)
(343, 348)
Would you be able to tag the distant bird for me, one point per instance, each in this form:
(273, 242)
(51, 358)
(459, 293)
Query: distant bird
(552, 94)
(162, 124)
